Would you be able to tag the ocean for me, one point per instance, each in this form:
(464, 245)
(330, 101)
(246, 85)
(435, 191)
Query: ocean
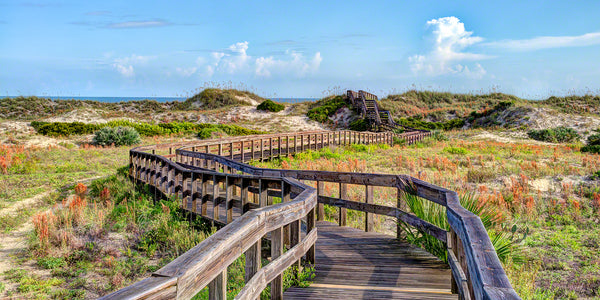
(159, 99)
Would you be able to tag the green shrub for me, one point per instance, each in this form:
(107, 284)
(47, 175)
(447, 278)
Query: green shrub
(359, 125)
(593, 140)
(456, 150)
(398, 141)
(326, 107)
(117, 136)
(591, 149)
(417, 123)
(65, 129)
(216, 98)
(559, 134)
(271, 106)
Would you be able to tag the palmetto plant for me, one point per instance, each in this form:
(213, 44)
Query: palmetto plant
(436, 214)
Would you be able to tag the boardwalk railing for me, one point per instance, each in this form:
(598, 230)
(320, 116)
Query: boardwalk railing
(476, 270)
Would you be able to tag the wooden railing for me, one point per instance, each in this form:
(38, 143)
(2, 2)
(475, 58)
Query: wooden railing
(476, 270)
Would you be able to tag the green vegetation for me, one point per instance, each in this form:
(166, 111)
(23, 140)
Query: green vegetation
(212, 130)
(144, 129)
(116, 136)
(217, 98)
(326, 107)
(271, 106)
(587, 104)
(359, 125)
(559, 134)
(417, 123)
(593, 144)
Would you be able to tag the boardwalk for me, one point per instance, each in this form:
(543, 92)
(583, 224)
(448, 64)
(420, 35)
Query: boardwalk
(353, 264)
(283, 206)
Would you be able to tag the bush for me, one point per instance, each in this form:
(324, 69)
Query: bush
(593, 140)
(456, 150)
(216, 98)
(326, 107)
(65, 129)
(359, 125)
(117, 136)
(559, 134)
(398, 141)
(591, 149)
(271, 106)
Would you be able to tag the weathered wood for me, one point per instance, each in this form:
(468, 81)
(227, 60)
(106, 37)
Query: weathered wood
(320, 207)
(217, 289)
(252, 261)
(277, 251)
(343, 190)
(369, 200)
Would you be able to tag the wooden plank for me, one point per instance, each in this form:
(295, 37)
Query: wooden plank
(252, 261)
(320, 206)
(343, 190)
(277, 251)
(217, 289)
(369, 224)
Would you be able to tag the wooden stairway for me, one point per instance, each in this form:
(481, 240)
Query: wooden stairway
(366, 104)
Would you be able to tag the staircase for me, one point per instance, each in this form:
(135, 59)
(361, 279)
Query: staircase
(366, 104)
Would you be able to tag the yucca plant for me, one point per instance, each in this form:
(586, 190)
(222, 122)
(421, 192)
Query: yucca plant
(436, 214)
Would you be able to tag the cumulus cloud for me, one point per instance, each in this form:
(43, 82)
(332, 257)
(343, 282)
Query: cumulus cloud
(125, 65)
(235, 60)
(297, 65)
(546, 42)
(450, 39)
(186, 72)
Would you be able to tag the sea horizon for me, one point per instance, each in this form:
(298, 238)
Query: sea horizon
(158, 99)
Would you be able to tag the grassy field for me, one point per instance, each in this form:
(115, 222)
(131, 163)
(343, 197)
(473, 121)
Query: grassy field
(547, 191)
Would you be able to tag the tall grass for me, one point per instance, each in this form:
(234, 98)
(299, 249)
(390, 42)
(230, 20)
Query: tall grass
(436, 215)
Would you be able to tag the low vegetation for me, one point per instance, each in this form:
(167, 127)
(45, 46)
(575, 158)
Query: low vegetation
(217, 98)
(116, 136)
(271, 106)
(145, 129)
(593, 143)
(543, 198)
(559, 134)
(321, 110)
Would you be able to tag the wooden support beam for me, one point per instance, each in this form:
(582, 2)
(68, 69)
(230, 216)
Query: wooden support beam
(310, 224)
(217, 289)
(229, 187)
(252, 260)
(368, 216)
(320, 206)
(263, 193)
(277, 251)
(215, 197)
(204, 195)
(244, 195)
(343, 188)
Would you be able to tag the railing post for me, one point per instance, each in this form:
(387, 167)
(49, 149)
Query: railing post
(262, 150)
(343, 188)
(320, 206)
(215, 198)
(279, 146)
(244, 195)
(252, 260)
(262, 190)
(204, 195)
(302, 143)
(217, 289)
(310, 224)
(242, 151)
(400, 204)
(229, 186)
(252, 146)
(368, 200)
(285, 197)
(276, 251)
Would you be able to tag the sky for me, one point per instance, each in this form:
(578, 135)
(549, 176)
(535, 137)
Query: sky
(532, 49)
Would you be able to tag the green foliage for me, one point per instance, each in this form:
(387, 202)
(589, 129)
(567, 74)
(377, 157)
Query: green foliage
(480, 175)
(208, 130)
(595, 176)
(559, 134)
(455, 150)
(591, 149)
(500, 106)
(117, 136)
(593, 140)
(359, 125)
(271, 106)
(217, 98)
(438, 135)
(436, 214)
(326, 107)
(398, 141)
(417, 123)
(575, 104)
(51, 262)
(144, 129)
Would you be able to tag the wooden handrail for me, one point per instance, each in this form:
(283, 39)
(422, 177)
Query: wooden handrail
(476, 270)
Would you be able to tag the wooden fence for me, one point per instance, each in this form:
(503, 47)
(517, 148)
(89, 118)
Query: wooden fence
(202, 171)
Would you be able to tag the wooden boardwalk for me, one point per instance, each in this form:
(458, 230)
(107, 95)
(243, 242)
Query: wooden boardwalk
(353, 264)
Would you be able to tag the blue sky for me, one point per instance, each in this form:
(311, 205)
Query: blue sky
(298, 48)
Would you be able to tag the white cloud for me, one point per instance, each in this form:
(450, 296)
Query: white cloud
(546, 42)
(125, 65)
(449, 40)
(186, 72)
(297, 65)
(237, 61)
